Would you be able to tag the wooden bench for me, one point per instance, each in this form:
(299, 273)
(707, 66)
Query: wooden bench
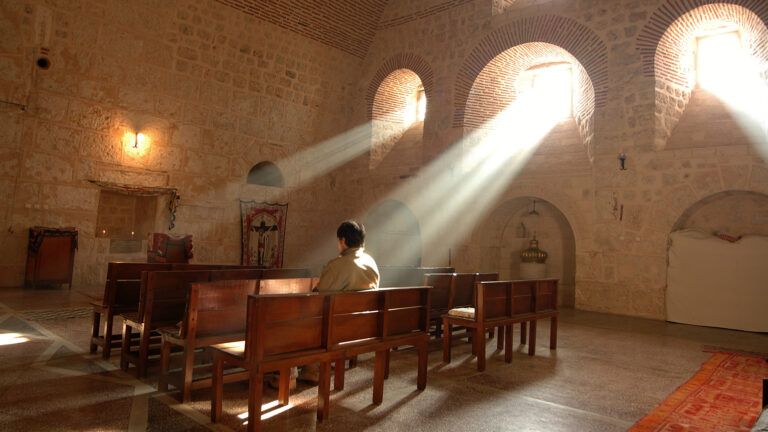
(215, 313)
(162, 302)
(363, 322)
(502, 304)
(452, 290)
(283, 331)
(286, 331)
(121, 295)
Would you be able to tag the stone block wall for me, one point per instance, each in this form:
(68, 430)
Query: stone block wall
(213, 89)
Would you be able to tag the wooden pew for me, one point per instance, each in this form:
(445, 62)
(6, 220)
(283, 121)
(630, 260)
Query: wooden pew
(441, 284)
(215, 313)
(283, 331)
(363, 322)
(162, 303)
(502, 304)
(121, 295)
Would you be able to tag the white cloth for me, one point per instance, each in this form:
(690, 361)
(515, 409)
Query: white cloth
(716, 283)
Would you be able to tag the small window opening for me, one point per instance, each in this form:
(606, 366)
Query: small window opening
(719, 54)
(548, 88)
(416, 107)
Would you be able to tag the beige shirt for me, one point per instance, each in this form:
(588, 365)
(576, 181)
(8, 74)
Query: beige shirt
(353, 270)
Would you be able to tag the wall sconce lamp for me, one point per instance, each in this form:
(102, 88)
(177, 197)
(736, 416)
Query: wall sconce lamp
(135, 143)
(622, 161)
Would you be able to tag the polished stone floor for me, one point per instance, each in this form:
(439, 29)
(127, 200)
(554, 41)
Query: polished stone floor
(607, 372)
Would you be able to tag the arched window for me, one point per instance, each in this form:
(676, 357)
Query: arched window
(266, 174)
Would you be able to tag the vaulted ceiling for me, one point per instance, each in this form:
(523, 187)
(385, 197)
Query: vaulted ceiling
(348, 25)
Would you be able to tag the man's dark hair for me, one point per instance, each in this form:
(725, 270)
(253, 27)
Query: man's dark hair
(352, 232)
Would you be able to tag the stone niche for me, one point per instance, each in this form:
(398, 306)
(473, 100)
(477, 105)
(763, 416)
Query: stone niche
(124, 222)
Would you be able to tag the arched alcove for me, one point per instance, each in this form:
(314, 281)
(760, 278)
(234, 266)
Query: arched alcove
(734, 212)
(393, 236)
(397, 102)
(688, 114)
(497, 241)
(716, 269)
(266, 174)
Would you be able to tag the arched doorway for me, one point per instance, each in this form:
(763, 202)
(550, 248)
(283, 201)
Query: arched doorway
(499, 239)
(393, 236)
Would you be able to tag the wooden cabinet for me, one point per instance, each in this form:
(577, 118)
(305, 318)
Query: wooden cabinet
(50, 256)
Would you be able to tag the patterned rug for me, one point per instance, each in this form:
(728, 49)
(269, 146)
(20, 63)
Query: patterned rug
(724, 395)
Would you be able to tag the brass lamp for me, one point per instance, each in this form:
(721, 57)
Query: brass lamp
(533, 254)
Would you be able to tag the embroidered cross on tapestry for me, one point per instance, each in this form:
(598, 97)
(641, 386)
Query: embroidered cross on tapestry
(263, 226)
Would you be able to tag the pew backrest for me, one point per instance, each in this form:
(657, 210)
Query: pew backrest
(239, 273)
(546, 295)
(286, 286)
(406, 311)
(355, 316)
(295, 323)
(287, 273)
(165, 294)
(441, 290)
(123, 283)
(217, 308)
(392, 276)
(462, 289)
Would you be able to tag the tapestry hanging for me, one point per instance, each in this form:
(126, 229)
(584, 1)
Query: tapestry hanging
(263, 226)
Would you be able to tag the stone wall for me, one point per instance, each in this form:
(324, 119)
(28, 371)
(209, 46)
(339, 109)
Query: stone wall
(620, 218)
(214, 90)
(217, 90)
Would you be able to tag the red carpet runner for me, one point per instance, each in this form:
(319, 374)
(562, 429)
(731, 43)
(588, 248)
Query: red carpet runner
(724, 395)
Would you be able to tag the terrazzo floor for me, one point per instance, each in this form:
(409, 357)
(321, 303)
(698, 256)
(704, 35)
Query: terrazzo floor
(607, 372)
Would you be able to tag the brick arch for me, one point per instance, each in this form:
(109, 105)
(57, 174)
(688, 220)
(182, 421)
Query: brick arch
(666, 45)
(494, 88)
(578, 40)
(403, 61)
(649, 37)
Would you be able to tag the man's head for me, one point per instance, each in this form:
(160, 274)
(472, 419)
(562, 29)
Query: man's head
(350, 234)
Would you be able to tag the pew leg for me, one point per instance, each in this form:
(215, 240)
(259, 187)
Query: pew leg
(490, 333)
(141, 361)
(480, 348)
(438, 329)
(255, 393)
(387, 355)
(532, 339)
(553, 333)
(500, 339)
(188, 369)
(523, 333)
(508, 333)
(353, 362)
(125, 349)
(421, 378)
(95, 331)
(447, 344)
(165, 362)
(217, 387)
(378, 378)
(338, 374)
(284, 386)
(324, 389)
(106, 349)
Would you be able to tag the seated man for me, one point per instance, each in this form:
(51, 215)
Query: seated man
(353, 269)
